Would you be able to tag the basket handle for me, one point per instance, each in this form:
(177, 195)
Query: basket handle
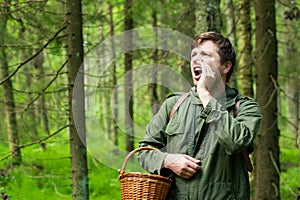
(131, 154)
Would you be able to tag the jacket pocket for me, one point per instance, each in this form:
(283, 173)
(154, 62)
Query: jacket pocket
(176, 141)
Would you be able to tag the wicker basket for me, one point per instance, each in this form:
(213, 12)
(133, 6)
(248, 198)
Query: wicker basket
(139, 186)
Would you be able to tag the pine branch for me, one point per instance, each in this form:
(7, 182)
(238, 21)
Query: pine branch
(46, 87)
(34, 142)
(33, 56)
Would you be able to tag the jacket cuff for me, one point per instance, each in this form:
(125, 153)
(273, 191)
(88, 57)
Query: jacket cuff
(216, 111)
(159, 162)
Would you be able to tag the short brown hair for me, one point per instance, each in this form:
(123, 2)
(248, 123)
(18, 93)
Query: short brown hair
(226, 50)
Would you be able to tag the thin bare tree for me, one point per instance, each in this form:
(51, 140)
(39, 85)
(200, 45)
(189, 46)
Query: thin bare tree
(128, 25)
(9, 101)
(79, 169)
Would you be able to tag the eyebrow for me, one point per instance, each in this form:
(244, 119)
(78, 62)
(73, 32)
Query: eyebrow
(204, 50)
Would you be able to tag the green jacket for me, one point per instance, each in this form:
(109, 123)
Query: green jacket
(210, 134)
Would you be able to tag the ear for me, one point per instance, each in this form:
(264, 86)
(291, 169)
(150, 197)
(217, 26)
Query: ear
(226, 67)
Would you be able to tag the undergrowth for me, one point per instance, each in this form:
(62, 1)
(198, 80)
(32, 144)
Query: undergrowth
(45, 174)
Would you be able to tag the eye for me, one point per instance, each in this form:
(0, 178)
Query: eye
(205, 54)
(193, 54)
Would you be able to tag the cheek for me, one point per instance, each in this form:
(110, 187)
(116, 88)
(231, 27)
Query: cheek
(193, 59)
(208, 60)
(191, 66)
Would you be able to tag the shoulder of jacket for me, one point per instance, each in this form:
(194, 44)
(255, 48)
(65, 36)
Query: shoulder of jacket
(247, 99)
(175, 94)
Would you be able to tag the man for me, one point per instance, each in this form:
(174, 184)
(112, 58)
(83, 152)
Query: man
(202, 144)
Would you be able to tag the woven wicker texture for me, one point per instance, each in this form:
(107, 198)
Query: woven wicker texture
(139, 186)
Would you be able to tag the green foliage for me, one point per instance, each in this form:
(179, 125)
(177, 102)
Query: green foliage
(46, 175)
(43, 175)
(104, 182)
(289, 165)
(289, 183)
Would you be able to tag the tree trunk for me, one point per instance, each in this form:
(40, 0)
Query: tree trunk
(38, 63)
(105, 97)
(8, 97)
(292, 90)
(244, 33)
(292, 87)
(266, 142)
(208, 16)
(154, 74)
(79, 170)
(231, 30)
(292, 70)
(113, 78)
(29, 116)
(230, 21)
(245, 62)
(31, 121)
(163, 92)
(128, 25)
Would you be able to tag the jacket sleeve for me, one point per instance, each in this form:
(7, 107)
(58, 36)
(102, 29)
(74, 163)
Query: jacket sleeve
(150, 160)
(235, 134)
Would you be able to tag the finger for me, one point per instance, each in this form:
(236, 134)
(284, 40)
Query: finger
(193, 163)
(194, 166)
(202, 68)
(212, 71)
(209, 71)
(185, 174)
(191, 170)
(194, 160)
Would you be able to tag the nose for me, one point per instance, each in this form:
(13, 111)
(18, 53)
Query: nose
(197, 60)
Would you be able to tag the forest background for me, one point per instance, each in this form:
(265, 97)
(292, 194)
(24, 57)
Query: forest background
(67, 127)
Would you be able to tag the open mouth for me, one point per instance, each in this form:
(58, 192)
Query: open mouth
(197, 73)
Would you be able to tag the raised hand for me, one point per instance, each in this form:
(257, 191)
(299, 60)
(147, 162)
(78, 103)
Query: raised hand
(210, 83)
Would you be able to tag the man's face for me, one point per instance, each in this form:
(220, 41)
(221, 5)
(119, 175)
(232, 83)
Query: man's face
(206, 52)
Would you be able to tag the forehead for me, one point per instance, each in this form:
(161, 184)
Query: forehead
(207, 45)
